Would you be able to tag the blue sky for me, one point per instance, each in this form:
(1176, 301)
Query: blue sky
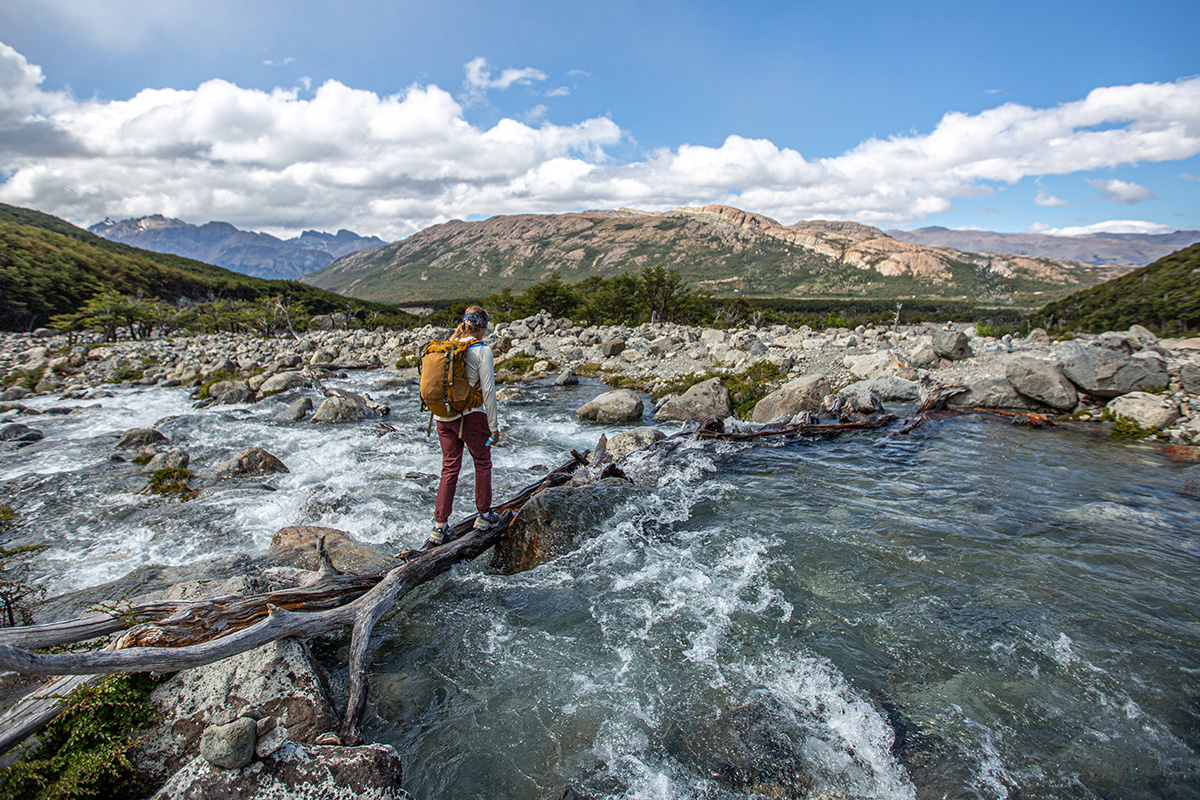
(385, 117)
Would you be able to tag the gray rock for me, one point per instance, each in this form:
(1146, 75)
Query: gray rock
(16, 432)
(923, 357)
(140, 437)
(993, 393)
(707, 399)
(405, 377)
(269, 740)
(282, 383)
(175, 458)
(953, 345)
(338, 409)
(619, 405)
(889, 388)
(1109, 368)
(296, 410)
(1144, 335)
(869, 365)
(613, 347)
(627, 442)
(296, 546)
(251, 461)
(229, 746)
(15, 393)
(1042, 381)
(235, 396)
(566, 378)
(555, 521)
(800, 394)
(295, 772)
(1189, 378)
(1147, 410)
(279, 676)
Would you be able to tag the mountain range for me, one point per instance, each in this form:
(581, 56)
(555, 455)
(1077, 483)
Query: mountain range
(726, 250)
(260, 255)
(1126, 249)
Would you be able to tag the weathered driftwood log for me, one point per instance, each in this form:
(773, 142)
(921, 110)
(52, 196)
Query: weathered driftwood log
(797, 430)
(330, 602)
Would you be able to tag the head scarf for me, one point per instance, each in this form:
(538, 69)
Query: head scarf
(479, 319)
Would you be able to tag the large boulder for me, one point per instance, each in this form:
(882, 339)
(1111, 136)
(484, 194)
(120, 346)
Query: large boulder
(280, 677)
(338, 408)
(369, 772)
(619, 405)
(1147, 410)
(555, 521)
(953, 345)
(16, 432)
(993, 393)
(707, 399)
(282, 382)
(1109, 368)
(1043, 381)
(296, 546)
(626, 442)
(297, 410)
(870, 365)
(251, 461)
(800, 394)
(888, 387)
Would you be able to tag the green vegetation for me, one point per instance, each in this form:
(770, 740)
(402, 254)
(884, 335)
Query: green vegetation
(521, 363)
(15, 592)
(85, 751)
(49, 268)
(173, 482)
(746, 388)
(1164, 297)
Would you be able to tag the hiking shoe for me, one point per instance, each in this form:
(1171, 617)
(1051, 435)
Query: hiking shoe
(486, 520)
(437, 536)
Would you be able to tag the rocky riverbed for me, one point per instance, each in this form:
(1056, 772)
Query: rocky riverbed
(271, 725)
(1133, 374)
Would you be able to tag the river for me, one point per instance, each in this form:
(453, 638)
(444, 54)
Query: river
(974, 611)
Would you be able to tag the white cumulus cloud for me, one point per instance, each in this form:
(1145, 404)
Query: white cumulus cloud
(343, 157)
(1122, 191)
(1047, 200)
(1108, 226)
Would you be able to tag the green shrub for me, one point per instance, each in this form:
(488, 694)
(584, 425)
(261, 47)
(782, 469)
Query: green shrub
(214, 378)
(521, 363)
(173, 482)
(745, 388)
(1127, 428)
(124, 371)
(85, 751)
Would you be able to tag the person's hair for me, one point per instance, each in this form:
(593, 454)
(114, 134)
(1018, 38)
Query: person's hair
(466, 330)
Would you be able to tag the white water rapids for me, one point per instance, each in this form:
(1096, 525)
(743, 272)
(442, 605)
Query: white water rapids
(977, 610)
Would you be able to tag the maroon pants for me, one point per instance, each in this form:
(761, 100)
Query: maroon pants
(475, 433)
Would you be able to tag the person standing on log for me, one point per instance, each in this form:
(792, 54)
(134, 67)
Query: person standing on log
(477, 428)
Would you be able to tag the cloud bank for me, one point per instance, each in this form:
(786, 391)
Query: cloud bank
(391, 165)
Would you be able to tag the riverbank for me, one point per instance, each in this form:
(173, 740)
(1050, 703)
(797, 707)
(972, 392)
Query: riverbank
(1083, 375)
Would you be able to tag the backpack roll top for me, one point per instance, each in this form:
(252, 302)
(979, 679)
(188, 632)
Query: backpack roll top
(444, 388)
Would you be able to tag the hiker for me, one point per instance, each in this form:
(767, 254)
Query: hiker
(477, 427)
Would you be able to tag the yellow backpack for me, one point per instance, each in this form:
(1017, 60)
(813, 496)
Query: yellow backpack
(443, 373)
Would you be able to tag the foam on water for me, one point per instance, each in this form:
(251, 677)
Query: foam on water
(916, 615)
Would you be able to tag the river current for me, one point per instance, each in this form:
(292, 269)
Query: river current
(974, 611)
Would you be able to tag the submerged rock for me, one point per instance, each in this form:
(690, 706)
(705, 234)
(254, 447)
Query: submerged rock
(140, 437)
(252, 461)
(555, 521)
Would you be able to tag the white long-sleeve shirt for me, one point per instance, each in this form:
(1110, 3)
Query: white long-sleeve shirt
(481, 372)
